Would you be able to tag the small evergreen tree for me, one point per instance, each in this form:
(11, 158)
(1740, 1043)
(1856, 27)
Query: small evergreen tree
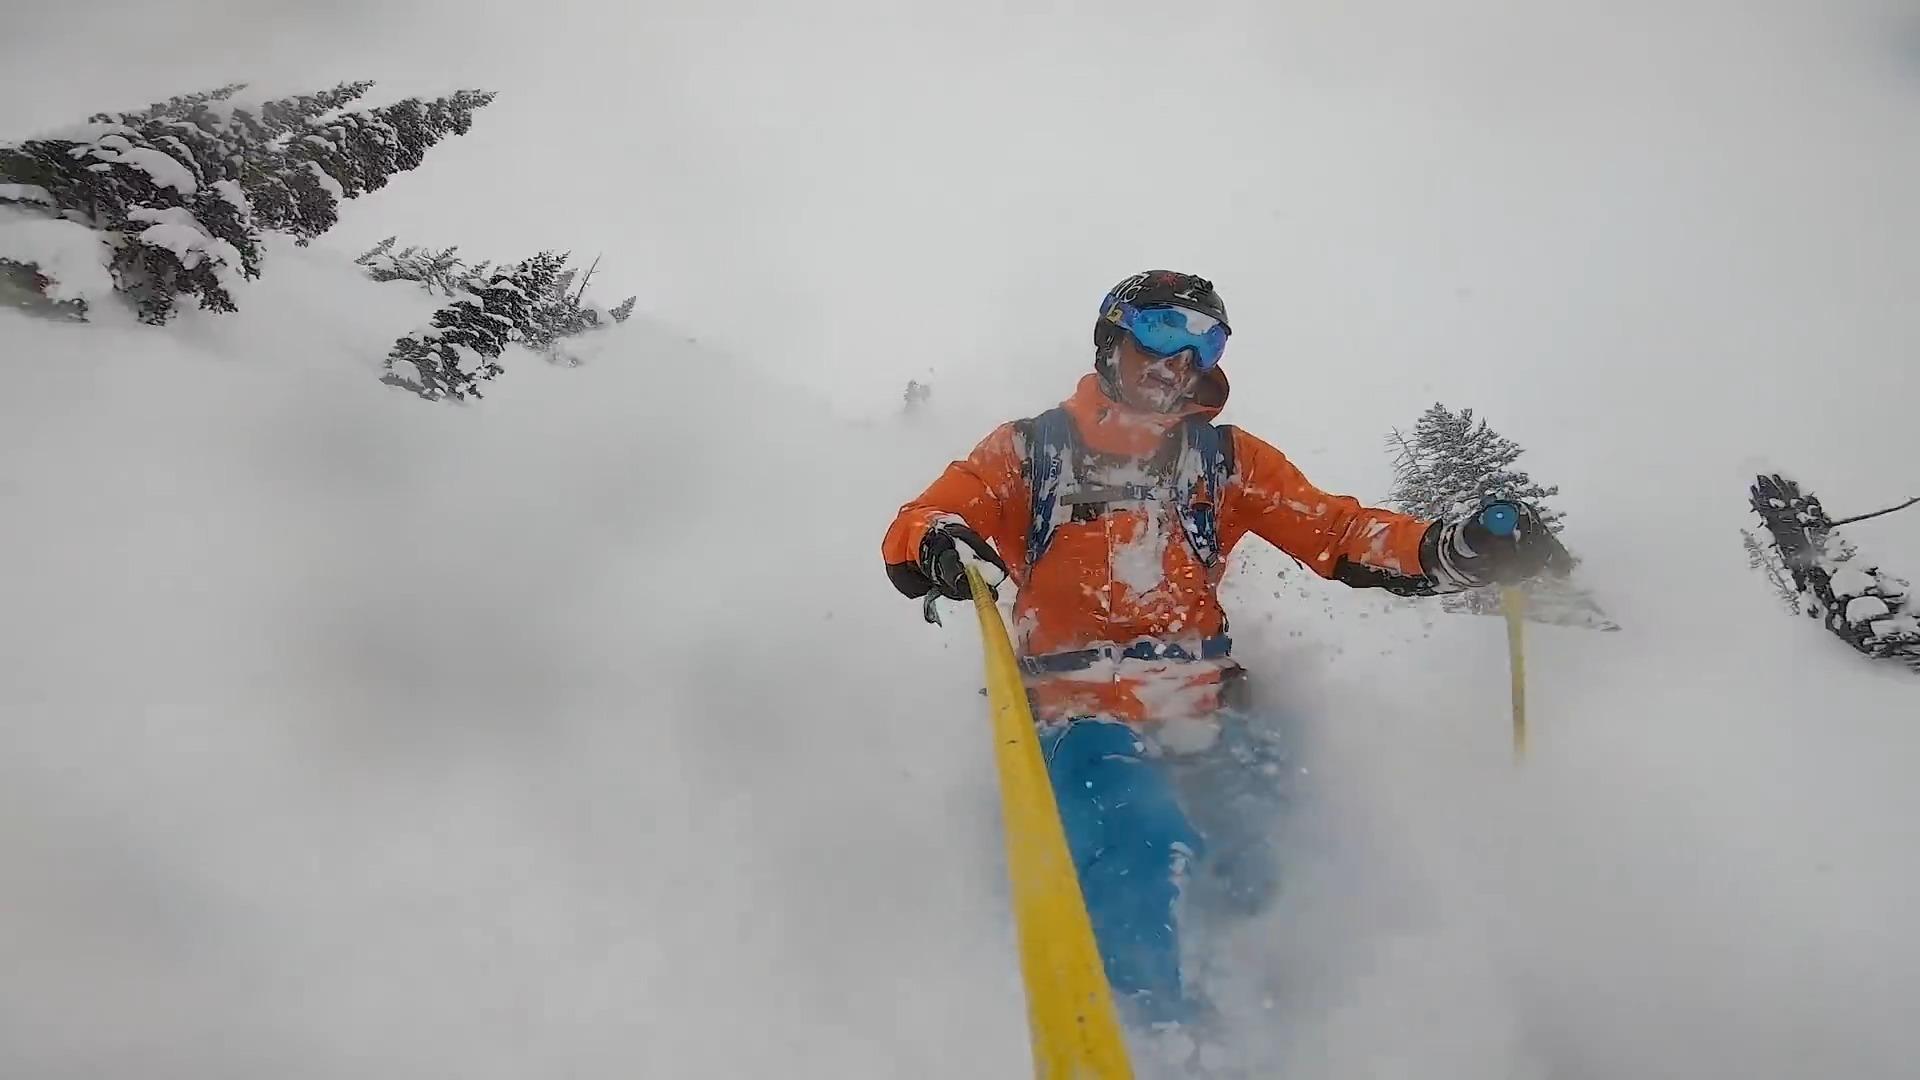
(531, 281)
(462, 347)
(555, 312)
(553, 316)
(624, 309)
(1452, 464)
(450, 360)
(1870, 610)
(377, 251)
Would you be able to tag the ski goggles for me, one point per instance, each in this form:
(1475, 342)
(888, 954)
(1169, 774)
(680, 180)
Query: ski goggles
(1168, 331)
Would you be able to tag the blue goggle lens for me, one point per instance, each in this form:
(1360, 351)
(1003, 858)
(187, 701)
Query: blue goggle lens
(1165, 331)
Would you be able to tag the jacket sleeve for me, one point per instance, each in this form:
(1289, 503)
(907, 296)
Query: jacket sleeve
(1333, 535)
(986, 491)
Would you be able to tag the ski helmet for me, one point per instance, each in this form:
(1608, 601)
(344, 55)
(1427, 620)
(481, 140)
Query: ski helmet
(1151, 288)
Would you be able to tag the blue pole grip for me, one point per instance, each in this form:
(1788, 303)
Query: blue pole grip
(1500, 518)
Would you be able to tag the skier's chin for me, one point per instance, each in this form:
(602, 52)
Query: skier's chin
(1158, 397)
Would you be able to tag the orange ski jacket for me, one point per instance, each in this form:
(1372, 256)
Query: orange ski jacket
(1123, 588)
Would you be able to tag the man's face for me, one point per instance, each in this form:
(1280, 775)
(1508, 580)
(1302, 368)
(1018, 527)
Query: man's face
(1149, 382)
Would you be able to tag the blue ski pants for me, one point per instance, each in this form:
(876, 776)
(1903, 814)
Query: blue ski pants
(1135, 846)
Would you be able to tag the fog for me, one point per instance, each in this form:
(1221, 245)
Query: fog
(579, 733)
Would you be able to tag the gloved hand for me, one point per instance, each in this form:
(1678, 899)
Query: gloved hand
(941, 561)
(1466, 554)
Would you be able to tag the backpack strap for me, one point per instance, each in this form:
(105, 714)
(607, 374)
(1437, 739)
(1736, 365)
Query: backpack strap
(1049, 438)
(1206, 487)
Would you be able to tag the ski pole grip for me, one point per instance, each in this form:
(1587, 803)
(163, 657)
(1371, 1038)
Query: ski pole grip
(1500, 518)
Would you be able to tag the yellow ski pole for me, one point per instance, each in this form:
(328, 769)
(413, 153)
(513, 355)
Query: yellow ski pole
(1502, 519)
(1513, 603)
(1070, 1015)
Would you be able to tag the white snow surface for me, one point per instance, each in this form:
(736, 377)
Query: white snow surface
(385, 738)
(165, 170)
(26, 193)
(326, 181)
(1850, 581)
(1864, 608)
(577, 733)
(177, 230)
(388, 738)
(70, 254)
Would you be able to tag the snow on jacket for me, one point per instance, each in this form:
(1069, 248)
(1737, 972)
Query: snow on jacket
(1129, 575)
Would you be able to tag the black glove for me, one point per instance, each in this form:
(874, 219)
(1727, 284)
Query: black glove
(1467, 555)
(940, 559)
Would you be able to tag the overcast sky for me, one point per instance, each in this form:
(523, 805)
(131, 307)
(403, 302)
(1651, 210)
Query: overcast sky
(1397, 199)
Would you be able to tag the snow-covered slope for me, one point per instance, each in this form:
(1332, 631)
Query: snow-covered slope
(564, 734)
(577, 731)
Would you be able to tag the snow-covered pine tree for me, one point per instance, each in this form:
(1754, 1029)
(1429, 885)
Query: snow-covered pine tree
(514, 295)
(172, 108)
(449, 360)
(297, 159)
(351, 154)
(1869, 609)
(282, 116)
(567, 313)
(462, 347)
(554, 311)
(1451, 464)
(288, 196)
(174, 220)
(250, 144)
(181, 195)
(624, 309)
(552, 316)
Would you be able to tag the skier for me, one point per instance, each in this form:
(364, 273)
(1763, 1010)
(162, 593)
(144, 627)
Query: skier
(1114, 514)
